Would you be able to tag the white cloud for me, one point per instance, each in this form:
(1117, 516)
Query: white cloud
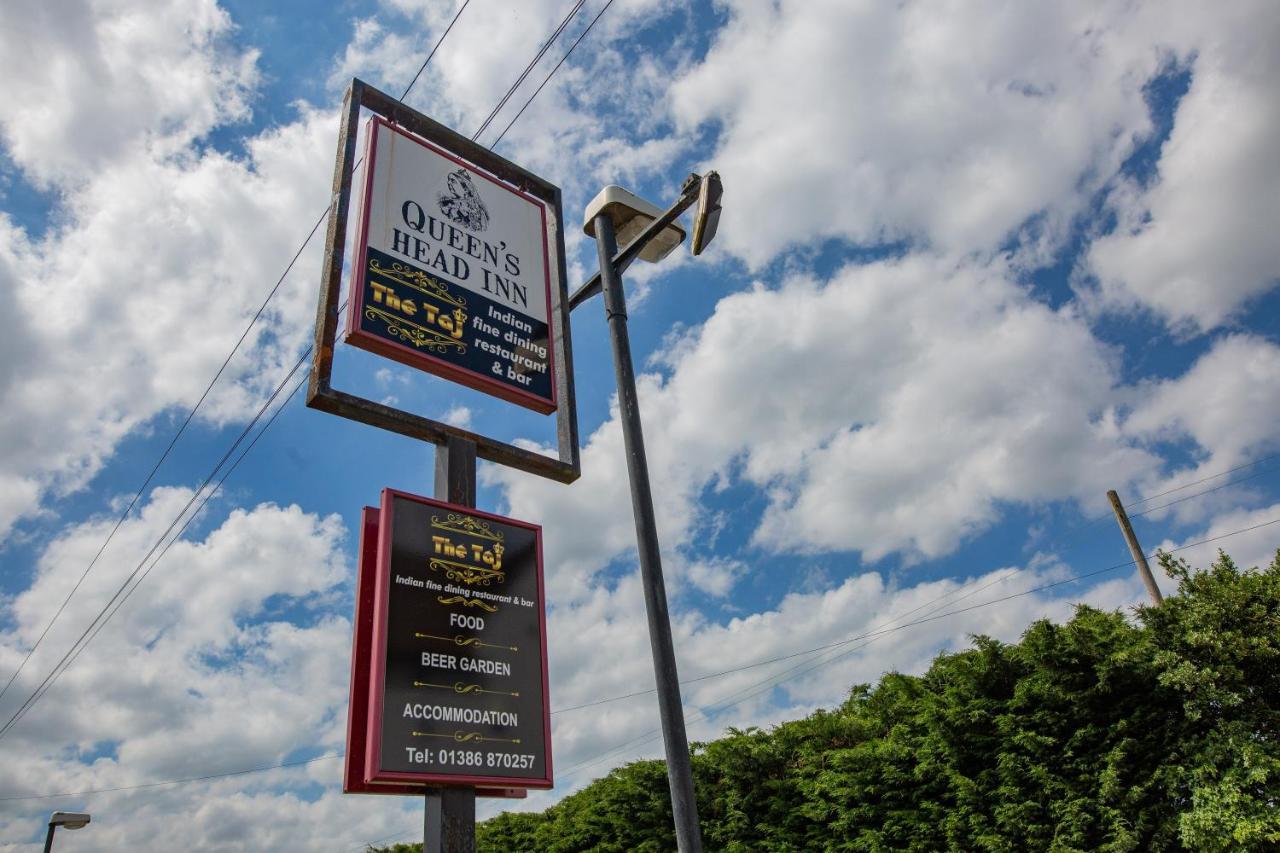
(1254, 548)
(892, 408)
(459, 416)
(948, 125)
(225, 659)
(98, 82)
(1198, 243)
(157, 253)
(715, 576)
(1227, 403)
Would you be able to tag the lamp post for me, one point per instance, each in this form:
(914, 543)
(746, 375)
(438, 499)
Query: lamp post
(651, 235)
(71, 820)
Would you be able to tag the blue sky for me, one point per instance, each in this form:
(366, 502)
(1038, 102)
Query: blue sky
(975, 268)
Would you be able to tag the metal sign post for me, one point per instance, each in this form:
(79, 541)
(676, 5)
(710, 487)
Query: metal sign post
(458, 270)
(449, 819)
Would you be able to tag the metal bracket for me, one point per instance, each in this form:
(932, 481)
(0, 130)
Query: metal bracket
(629, 252)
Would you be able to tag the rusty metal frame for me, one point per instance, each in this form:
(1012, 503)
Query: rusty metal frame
(320, 392)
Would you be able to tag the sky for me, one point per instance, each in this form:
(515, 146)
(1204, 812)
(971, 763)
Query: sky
(978, 264)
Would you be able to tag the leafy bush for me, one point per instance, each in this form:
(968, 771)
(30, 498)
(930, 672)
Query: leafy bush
(1103, 734)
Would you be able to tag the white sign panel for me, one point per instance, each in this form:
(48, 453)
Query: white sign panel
(453, 271)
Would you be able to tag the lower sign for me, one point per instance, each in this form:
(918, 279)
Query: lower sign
(353, 775)
(459, 666)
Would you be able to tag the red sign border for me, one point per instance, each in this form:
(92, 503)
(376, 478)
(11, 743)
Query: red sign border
(411, 357)
(373, 773)
(361, 665)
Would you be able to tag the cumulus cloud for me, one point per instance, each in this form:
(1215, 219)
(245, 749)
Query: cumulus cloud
(1196, 243)
(1255, 547)
(87, 101)
(889, 409)
(158, 252)
(227, 658)
(944, 125)
(1227, 405)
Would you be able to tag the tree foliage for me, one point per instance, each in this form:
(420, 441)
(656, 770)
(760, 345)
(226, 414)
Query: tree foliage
(1158, 732)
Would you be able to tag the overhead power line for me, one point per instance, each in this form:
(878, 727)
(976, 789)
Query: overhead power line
(825, 654)
(73, 653)
(831, 654)
(542, 51)
(790, 656)
(144, 785)
(1149, 498)
(799, 669)
(163, 456)
(1104, 520)
(1199, 494)
(99, 621)
(117, 600)
(881, 632)
(427, 61)
(208, 388)
(551, 73)
(771, 681)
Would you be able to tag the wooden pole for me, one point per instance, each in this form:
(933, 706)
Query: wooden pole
(1134, 548)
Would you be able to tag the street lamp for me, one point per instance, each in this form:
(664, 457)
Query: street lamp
(651, 235)
(71, 820)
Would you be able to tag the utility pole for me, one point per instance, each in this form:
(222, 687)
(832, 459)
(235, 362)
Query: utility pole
(1134, 548)
(450, 820)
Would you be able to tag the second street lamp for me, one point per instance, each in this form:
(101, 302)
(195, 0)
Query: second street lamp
(67, 820)
(652, 235)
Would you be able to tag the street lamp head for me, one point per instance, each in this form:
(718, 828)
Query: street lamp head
(69, 820)
(630, 215)
(708, 217)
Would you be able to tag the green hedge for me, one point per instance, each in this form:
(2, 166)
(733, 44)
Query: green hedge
(1108, 733)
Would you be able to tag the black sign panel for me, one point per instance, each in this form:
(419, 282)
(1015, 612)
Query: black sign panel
(460, 678)
(407, 306)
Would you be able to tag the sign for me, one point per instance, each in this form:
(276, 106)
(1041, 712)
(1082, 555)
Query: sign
(453, 272)
(361, 666)
(458, 666)
(499, 184)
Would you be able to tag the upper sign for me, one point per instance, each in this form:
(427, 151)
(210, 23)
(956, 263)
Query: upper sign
(452, 274)
(459, 667)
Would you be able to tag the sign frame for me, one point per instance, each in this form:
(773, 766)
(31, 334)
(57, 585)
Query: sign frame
(373, 775)
(320, 392)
